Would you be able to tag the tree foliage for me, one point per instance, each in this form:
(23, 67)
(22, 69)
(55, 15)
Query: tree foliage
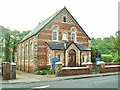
(11, 40)
(103, 45)
(109, 46)
(116, 46)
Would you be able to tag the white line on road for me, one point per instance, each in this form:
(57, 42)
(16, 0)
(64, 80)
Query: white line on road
(40, 87)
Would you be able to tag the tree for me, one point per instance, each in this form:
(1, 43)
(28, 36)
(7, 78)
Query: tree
(7, 44)
(11, 40)
(94, 53)
(116, 46)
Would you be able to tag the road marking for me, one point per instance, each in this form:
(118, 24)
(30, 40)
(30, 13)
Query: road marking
(40, 87)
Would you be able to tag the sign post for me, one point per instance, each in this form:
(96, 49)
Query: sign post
(11, 50)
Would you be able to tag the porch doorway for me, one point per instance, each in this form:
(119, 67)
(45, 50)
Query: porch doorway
(72, 58)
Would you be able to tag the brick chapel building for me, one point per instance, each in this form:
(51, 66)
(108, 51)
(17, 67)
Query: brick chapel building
(58, 36)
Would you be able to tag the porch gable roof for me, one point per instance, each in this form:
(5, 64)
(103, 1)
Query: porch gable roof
(64, 46)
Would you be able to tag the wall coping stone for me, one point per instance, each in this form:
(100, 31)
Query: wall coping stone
(89, 63)
(58, 63)
(13, 63)
(112, 66)
(64, 68)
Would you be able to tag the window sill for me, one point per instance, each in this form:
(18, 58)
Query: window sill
(55, 40)
(64, 22)
(65, 39)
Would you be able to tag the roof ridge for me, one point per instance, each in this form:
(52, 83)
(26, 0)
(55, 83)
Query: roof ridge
(41, 26)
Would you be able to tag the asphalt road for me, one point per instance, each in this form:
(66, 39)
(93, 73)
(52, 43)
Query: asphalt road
(96, 82)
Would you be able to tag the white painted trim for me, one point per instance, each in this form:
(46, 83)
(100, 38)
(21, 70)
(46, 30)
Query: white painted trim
(112, 66)
(64, 68)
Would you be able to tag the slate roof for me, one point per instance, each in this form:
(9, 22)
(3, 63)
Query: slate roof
(60, 46)
(41, 26)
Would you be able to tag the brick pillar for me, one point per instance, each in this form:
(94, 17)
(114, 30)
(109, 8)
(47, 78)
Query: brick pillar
(90, 66)
(13, 70)
(6, 71)
(58, 69)
(102, 67)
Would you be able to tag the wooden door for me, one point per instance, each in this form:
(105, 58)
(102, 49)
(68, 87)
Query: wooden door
(72, 58)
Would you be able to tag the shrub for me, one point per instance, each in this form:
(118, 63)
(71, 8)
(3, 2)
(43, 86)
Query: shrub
(44, 72)
(45, 67)
(116, 59)
(107, 58)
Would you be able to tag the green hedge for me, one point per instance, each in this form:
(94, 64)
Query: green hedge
(44, 72)
(107, 58)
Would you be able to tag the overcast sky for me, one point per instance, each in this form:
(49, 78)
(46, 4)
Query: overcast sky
(99, 18)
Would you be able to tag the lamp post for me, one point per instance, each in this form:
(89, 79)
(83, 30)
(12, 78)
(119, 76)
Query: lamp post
(11, 50)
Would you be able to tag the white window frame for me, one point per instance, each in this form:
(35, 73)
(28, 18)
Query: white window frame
(31, 52)
(49, 61)
(60, 57)
(64, 37)
(63, 19)
(22, 53)
(19, 52)
(85, 59)
(74, 31)
(26, 56)
(55, 30)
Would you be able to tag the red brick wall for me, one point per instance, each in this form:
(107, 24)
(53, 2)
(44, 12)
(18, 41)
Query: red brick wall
(112, 69)
(25, 64)
(75, 71)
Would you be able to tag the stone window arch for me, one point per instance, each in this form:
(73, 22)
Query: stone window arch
(74, 33)
(26, 52)
(64, 36)
(55, 33)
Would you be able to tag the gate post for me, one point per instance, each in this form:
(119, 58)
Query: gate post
(58, 69)
(13, 70)
(6, 71)
(89, 65)
(102, 67)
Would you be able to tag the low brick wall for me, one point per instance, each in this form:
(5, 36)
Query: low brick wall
(75, 71)
(112, 68)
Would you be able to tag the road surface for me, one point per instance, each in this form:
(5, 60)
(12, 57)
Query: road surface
(96, 82)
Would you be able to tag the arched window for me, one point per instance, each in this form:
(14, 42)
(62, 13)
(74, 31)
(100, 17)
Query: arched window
(31, 51)
(73, 34)
(84, 58)
(64, 36)
(64, 19)
(22, 53)
(26, 52)
(60, 58)
(55, 33)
